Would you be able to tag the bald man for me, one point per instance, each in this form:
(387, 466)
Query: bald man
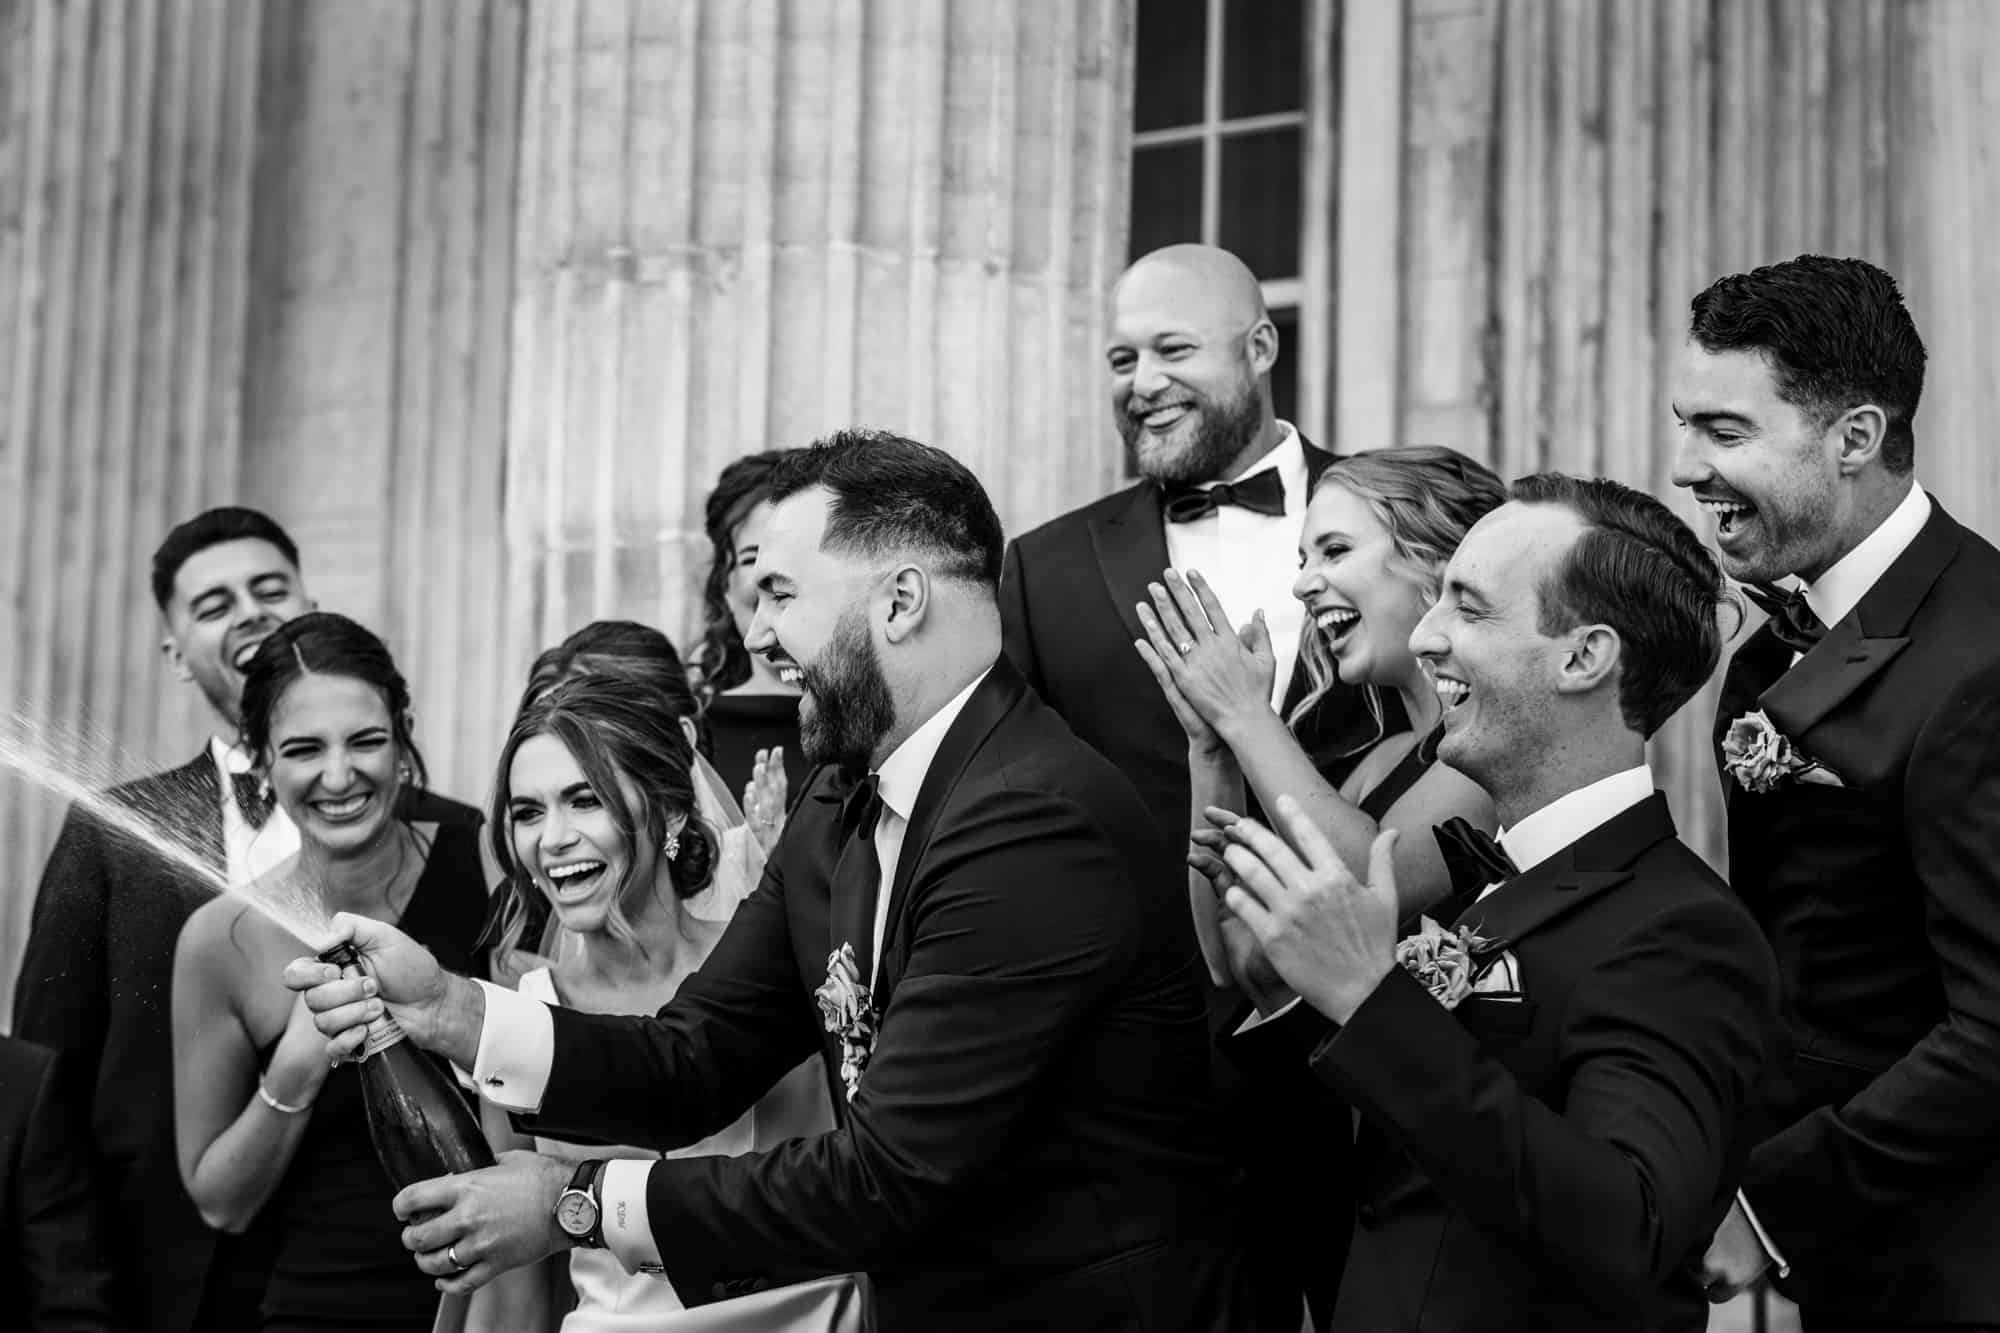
(1190, 355)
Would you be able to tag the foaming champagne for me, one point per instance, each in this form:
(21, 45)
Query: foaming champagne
(420, 1123)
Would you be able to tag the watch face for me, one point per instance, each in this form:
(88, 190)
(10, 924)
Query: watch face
(575, 1213)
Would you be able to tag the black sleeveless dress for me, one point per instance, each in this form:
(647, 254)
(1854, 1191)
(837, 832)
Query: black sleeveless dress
(1413, 765)
(739, 725)
(340, 1261)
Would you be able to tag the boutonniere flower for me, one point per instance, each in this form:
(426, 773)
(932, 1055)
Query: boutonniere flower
(1447, 962)
(849, 1014)
(1759, 756)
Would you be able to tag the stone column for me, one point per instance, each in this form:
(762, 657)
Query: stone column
(744, 223)
(126, 152)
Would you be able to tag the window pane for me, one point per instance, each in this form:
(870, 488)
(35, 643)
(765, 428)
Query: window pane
(1173, 44)
(1285, 375)
(1260, 200)
(1166, 196)
(1263, 57)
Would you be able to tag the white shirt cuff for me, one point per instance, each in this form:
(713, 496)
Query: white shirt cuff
(517, 1048)
(1763, 1237)
(1259, 1020)
(628, 1232)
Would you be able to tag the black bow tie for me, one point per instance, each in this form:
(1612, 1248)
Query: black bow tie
(1262, 493)
(1792, 620)
(254, 797)
(1475, 858)
(861, 808)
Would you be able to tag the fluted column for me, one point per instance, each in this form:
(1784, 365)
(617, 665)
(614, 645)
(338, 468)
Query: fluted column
(746, 222)
(126, 154)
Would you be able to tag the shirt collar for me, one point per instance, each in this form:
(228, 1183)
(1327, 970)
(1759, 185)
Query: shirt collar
(1288, 456)
(1562, 821)
(229, 758)
(902, 773)
(1838, 591)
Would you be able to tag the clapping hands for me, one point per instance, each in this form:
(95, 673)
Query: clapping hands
(1330, 937)
(1214, 675)
(764, 797)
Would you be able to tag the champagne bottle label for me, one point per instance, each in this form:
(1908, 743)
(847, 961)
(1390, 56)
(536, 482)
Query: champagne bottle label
(383, 1033)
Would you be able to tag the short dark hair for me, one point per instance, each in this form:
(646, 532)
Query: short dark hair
(325, 643)
(1639, 569)
(720, 659)
(1836, 333)
(892, 494)
(621, 649)
(213, 527)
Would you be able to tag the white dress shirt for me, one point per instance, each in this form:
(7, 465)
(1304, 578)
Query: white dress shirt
(1252, 559)
(1838, 591)
(1562, 821)
(517, 1040)
(248, 852)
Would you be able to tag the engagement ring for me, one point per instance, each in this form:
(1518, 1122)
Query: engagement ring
(1185, 648)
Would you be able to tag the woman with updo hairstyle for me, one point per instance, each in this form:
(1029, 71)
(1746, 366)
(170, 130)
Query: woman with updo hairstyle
(752, 715)
(271, 1140)
(1378, 530)
(597, 813)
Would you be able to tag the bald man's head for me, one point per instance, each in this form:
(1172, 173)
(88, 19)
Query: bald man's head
(1191, 349)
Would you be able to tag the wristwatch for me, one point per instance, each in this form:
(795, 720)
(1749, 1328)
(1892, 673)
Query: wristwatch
(578, 1212)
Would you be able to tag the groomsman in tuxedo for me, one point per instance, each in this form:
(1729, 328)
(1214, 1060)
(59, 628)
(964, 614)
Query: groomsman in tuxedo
(969, 918)
(1859, 737)
(1554, 1076)
(97, 969)
(1223, 489)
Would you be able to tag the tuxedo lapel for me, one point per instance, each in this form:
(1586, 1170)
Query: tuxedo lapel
(1868, 639)
(983, 711)
(1131, 547)
(186, 805)
(1599, 860)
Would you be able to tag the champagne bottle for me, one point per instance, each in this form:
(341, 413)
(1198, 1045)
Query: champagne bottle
(418, 1119)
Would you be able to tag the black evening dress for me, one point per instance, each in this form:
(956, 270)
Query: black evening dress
(739, 725)
(340, 1260)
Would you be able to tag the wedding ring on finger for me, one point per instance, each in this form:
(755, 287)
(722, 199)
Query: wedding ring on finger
(1184, 647)
(451, 1253)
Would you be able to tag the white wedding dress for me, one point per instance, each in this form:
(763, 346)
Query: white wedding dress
(608, 1299)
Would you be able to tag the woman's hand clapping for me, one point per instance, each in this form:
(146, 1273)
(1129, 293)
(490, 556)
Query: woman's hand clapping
(1214, 676)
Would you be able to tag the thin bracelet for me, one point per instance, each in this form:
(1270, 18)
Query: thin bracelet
(277, 1105)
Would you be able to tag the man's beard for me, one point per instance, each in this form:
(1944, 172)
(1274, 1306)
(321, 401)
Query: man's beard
(1225, 430)
(852, 709)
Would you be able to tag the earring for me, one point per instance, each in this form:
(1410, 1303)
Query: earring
(405, 774)
(671, 848)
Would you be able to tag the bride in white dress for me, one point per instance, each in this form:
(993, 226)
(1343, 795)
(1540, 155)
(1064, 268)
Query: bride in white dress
(605, 811)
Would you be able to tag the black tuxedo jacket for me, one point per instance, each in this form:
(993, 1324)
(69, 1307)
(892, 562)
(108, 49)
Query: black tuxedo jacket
(53, 1267)
(1554, 1161)
(95, 984)
(1880, 1176)
(1068, 598)
(1032, 1143)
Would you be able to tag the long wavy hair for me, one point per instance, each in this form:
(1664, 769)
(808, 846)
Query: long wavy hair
(1427, 497)
(629, 744)
(721, 662)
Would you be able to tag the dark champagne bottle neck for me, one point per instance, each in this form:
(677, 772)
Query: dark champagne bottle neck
(418, 1118)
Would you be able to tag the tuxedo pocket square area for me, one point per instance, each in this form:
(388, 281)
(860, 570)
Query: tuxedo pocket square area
(1818, 776)
(1499, 978)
